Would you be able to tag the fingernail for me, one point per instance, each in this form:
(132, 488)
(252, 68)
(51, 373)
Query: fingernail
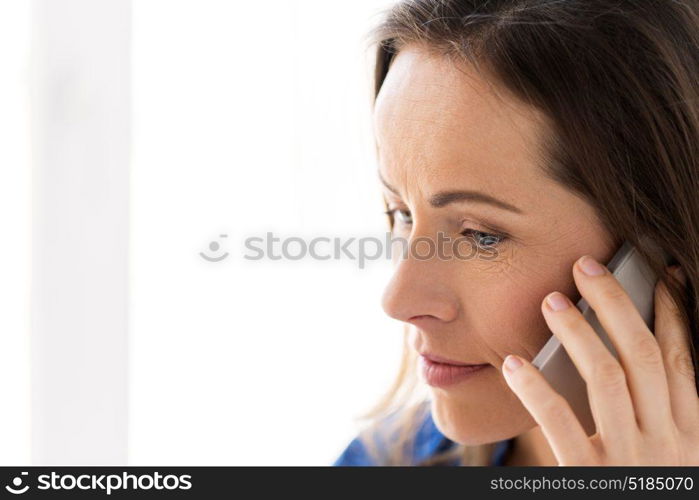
(512, 362)
(557, 301)
(590, 266)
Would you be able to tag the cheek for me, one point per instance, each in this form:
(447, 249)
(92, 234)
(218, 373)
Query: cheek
(508, 316)
(514, 324)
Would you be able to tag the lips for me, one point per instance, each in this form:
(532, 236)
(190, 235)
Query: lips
(442, 372)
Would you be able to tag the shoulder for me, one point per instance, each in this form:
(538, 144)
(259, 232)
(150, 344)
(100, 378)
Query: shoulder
(426, 441)
(355, 453)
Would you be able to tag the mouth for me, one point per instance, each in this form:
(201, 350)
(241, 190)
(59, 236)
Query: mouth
(442, 372)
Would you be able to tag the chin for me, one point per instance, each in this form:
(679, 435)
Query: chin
(474, 421)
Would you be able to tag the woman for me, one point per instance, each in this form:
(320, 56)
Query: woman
(549, 132)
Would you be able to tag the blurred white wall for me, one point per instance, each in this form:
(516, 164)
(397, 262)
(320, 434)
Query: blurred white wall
(80, 88)
(15, 250)
(249, 117)
(153, 127)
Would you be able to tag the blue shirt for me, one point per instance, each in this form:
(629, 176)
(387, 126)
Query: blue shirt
(428, 441)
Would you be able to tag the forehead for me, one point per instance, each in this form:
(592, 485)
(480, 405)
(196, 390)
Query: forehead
(442, 125)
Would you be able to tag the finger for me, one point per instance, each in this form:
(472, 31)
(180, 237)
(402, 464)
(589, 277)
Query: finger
(674, 344)
(551, 411)
(639, 352)
(610, 401)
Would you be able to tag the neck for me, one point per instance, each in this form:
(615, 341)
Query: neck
(531, 448)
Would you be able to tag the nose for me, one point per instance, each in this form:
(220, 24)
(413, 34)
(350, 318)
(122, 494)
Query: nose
(421, 288)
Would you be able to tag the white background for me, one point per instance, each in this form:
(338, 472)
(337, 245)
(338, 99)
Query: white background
(246, 117)
(15, 247)
(252, 117)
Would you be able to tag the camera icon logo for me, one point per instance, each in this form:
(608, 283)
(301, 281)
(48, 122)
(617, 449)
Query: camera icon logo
(16, 488)
(215, 246)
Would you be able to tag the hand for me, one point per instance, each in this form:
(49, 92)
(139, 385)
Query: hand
(645, 405)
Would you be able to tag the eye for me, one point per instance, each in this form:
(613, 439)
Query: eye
(481, 238)
(484, 240)
(404, 217)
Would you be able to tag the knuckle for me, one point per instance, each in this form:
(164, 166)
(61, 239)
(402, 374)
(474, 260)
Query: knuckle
(556, 408)
(647, 351)
(680, 360)
(662, 296)
(609, 375)
(569, 322)
(666, 304)
(572, 322)
(532, 380)
(612, 292)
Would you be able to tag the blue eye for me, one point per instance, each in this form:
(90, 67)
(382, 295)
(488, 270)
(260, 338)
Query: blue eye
(484, 240)
(402, 216)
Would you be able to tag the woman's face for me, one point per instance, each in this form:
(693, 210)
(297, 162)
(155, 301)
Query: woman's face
(440, 129)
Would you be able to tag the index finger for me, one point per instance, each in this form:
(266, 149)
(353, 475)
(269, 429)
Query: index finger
(639, 352)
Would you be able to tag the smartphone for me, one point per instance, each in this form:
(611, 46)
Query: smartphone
(553, 361)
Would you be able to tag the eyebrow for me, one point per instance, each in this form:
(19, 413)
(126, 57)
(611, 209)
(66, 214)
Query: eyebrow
(444, 198)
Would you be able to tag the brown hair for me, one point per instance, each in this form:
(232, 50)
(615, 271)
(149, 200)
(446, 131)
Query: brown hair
(619, 80)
